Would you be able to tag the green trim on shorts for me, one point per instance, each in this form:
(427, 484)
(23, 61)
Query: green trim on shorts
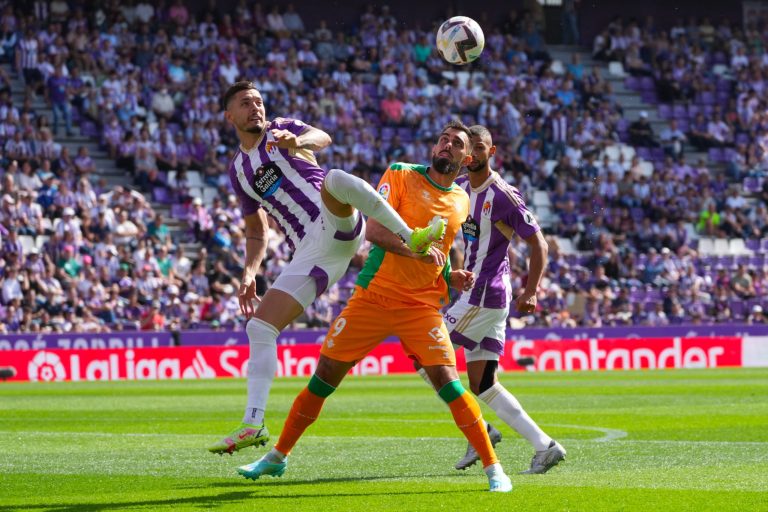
(451, 391)
(319, 387)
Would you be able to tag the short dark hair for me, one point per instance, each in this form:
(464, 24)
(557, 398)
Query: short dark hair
(481, 131)
(244, 85)
(455, 124)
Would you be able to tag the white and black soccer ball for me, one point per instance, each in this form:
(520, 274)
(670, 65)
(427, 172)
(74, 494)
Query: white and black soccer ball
(460, 40)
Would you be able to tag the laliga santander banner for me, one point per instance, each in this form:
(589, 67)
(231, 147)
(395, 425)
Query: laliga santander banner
(221, 361)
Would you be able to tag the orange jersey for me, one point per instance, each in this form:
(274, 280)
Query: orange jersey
(418, 200)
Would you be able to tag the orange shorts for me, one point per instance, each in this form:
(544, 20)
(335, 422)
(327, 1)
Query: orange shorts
(369, 318)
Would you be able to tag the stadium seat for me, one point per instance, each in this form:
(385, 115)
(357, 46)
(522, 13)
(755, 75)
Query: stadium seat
(738, 246)
(194, 179)
(628, 152)
(41, 240)
(721, 246)
(209, 193)
(549, 166)
(612, 152)
(646, 169)
(616, 68)
(665, 111)
(706, 246)
(541, 198)
(566, 245)
(27, 243)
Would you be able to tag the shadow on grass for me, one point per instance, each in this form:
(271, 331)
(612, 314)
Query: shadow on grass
(216, 501)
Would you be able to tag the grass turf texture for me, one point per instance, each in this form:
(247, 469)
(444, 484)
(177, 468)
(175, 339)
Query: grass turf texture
(657, 440)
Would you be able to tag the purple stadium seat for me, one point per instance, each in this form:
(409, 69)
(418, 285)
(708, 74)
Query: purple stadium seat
(723, 85)
(752, 244)
(649, 97)
(683, 124)
(161, 195)
(742, 138)
(680, 112)
(643, 152)
(715, 155)
(738, 308)
(657, 154)
(693, 110)
(764, 244)
(178, 211)
(665, 111)
(751, 185)
(706, 98)
(647, 83)
(632, 83)
(720, 58)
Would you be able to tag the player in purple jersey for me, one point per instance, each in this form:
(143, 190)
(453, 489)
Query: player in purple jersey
(275, 174)
(478, 319)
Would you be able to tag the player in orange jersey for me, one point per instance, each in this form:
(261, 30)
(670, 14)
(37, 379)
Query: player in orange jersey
(400, 293)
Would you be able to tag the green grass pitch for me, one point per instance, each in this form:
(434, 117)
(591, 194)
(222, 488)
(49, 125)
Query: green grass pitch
(655, 440)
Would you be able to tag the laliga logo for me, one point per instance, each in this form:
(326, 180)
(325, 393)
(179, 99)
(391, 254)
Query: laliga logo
(47, 367)
(199, 369)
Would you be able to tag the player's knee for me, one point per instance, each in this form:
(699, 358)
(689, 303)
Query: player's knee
(487, 379)
(260, 332)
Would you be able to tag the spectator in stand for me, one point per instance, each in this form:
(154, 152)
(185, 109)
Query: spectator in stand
(641, 133)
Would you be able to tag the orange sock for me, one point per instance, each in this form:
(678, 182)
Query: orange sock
(468, 417)
(305, 410)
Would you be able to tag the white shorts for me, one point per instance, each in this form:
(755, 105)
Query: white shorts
(322, 257)
(481, 331)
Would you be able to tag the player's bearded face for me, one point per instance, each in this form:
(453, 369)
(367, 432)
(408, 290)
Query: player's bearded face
(448, 153)
(249, 113)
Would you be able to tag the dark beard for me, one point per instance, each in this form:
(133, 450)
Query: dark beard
(477, 166)
(255, 130)
(444, 165)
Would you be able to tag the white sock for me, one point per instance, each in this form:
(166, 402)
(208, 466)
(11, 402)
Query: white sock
(506, 407)
(493, 470)
(274, 456)
(351, 190)
(262, 365)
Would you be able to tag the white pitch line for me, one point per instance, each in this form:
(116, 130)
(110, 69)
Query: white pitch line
(610, 434)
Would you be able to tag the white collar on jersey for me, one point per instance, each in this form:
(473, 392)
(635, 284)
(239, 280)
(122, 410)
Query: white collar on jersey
(486, 183)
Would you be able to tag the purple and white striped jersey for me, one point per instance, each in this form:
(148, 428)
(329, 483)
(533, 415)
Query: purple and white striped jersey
(496, 212)
(285, 183)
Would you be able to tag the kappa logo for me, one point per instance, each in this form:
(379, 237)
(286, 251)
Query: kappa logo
(529, 219)
(384, 190)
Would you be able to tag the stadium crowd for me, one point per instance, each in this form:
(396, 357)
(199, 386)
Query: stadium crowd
(145, 81)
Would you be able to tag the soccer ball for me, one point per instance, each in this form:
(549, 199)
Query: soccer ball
(460, 40)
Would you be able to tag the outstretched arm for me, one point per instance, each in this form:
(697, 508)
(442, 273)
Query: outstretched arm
(377, 234)
(313, 139)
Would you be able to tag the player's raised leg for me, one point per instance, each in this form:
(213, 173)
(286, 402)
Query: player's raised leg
(342, 191)
(304, 411)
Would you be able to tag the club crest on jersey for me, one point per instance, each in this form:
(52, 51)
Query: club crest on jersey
(267, 179)
(271, 145)
(486, 209)
(384, 190)
(470, 229)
